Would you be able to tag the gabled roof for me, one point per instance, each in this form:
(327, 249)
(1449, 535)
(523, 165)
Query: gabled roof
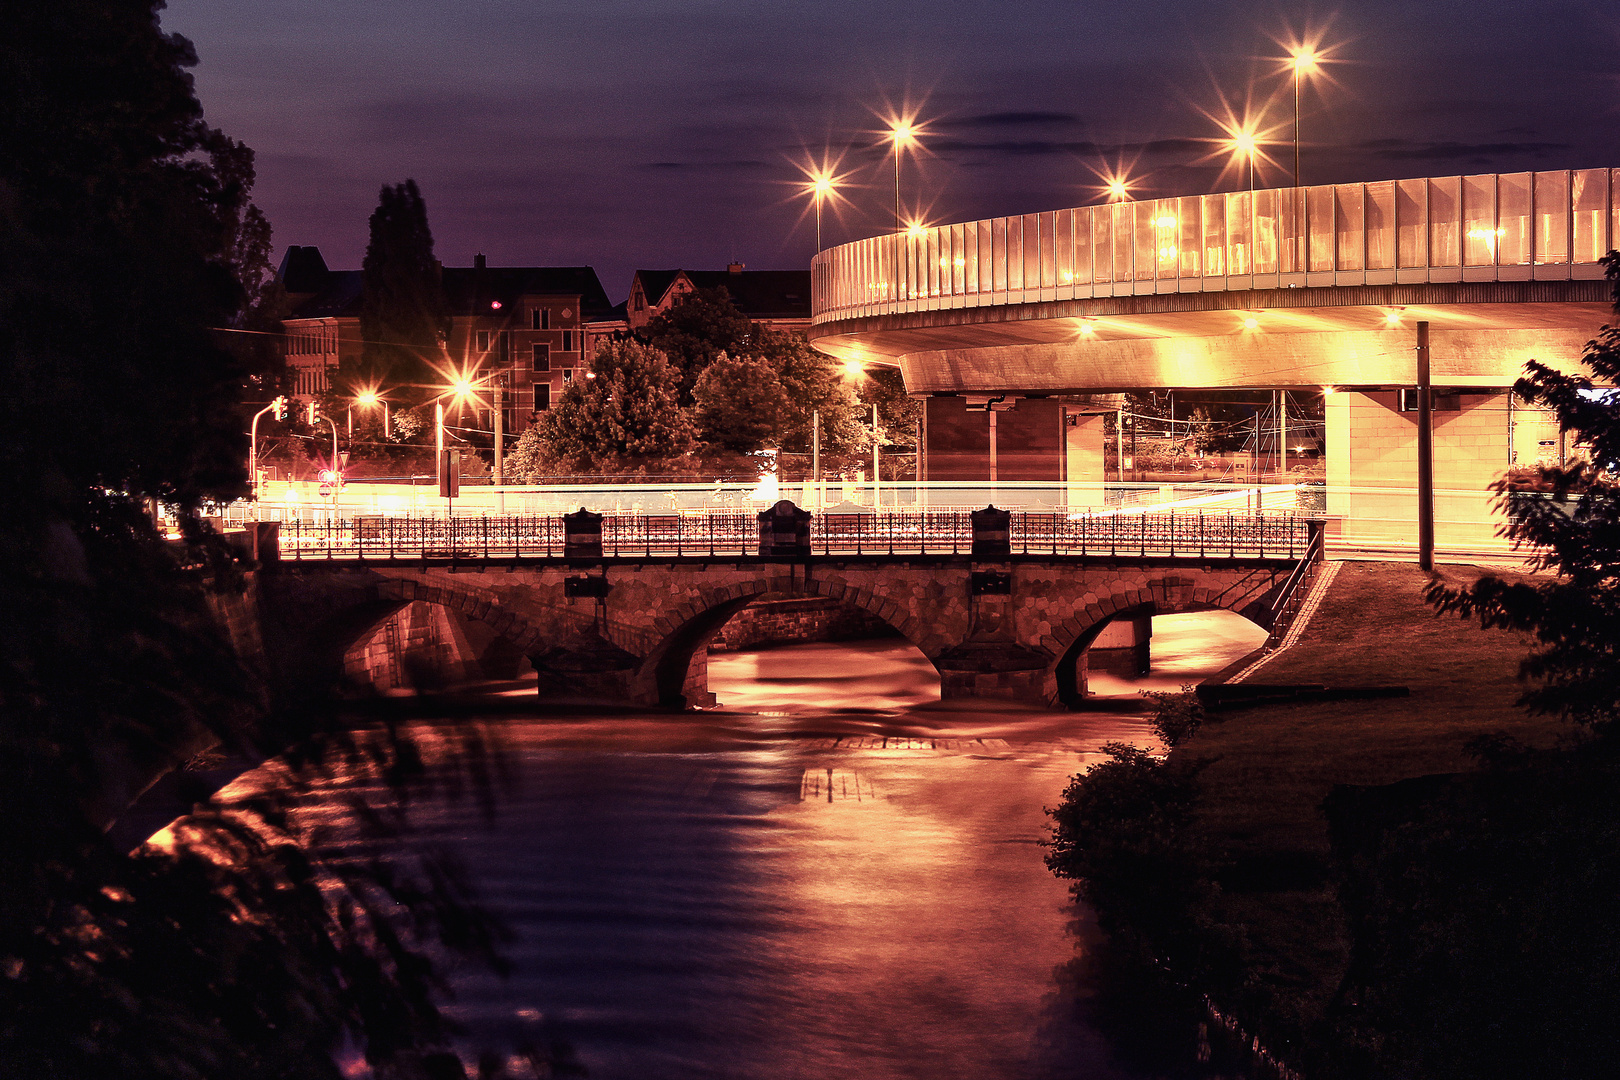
(758, 294)
(655, 283)
(302, 270)
(761, 294)
(469, 290)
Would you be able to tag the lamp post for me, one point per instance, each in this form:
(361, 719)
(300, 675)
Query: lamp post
(1304, 60)
(370, 399)
(279, 407)
(903, 133)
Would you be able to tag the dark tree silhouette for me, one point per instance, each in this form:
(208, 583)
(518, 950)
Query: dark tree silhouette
(696, 329)
(403, 315)
(127, 240)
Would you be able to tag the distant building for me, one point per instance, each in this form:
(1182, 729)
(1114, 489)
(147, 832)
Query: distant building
(776, 299)
(537, 325)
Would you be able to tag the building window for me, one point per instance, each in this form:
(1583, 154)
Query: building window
(542, 357)
(542, 397)
(481, 341)
(568, 375)
(568, 341)
(540, 318)
(641, 302)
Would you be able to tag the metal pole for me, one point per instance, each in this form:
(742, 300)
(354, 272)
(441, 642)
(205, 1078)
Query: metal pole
(876, 475)
(438, 441)
(992, 411)
(815, 455)
(1119, 442)
(1282, 432)
(1425, 454)
(1296, 122)
(500, 434)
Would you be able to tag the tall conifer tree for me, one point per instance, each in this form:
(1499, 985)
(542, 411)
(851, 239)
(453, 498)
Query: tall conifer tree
(403, 317)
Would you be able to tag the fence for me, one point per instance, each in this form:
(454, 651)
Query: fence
(1270, 535)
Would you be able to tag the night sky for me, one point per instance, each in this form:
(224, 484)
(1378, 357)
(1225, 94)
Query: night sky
(625, 134)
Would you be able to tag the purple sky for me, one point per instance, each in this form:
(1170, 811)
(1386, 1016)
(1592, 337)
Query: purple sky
(625, 134)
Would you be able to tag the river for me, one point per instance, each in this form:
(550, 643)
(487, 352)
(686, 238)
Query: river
(832, 875)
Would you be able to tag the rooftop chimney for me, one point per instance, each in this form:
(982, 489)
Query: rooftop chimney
(478, 262)
(735, 268)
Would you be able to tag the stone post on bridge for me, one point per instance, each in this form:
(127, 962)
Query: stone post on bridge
(784, 529)
(992, 662)
(582, 535)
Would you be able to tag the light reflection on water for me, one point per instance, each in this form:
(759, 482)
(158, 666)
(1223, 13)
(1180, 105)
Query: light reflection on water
(690, 902)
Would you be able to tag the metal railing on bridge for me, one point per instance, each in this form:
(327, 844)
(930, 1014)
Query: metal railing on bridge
(1204, 535)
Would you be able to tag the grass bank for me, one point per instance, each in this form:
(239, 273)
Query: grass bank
(1260, 816)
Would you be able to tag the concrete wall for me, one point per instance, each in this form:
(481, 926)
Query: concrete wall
(1372, 469)
(1030, 441)
(1085, 446)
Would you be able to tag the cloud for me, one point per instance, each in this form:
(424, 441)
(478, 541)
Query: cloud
(698, 166)
(1010, 119)
(1410, 150)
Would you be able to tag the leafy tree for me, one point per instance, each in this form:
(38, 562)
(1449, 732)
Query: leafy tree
(1574, 613)
(695, 330)
(739, 404)
(814, 382)
(403, 315)
(620, 418)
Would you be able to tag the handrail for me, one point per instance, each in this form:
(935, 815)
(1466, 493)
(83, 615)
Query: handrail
(1275, 535)
(1552, 225)
(1286, 605)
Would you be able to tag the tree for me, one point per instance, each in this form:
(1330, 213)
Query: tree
(739, 404)
(814, 383)
(1574, 615)
(695, 330)
(403, 316)
(620, 418)
(127, 241)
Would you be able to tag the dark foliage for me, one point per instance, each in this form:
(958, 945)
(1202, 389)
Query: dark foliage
(127, 240)
(403, 315)
(1485, 920)
(693, 333)
(1124, 833)
(1571, 526)
(1176, 716)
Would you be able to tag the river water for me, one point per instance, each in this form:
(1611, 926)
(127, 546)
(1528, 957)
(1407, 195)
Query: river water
(832, 875)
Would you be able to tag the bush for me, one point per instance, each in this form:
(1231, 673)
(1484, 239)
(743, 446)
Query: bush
(1176, 716)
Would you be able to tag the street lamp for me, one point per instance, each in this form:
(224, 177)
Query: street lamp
(1303, 61)
(903, 133)
(1242, 141)
(370, 399)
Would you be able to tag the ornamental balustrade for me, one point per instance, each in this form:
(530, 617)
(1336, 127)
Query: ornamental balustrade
(1185, 534)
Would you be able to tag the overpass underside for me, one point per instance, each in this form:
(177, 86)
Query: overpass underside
(1016, 330)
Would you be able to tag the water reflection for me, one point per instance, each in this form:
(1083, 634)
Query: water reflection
(835, 875)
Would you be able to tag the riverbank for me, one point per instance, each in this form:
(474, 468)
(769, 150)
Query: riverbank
(1260, 819)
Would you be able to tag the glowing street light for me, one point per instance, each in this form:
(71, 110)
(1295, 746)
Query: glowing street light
(370, 399)
(1303, 61)
(904, 132)
(1243, 140)
(821, 184)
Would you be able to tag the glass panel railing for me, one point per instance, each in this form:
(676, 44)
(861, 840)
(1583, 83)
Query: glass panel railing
(1479, 220)
(1513, 219)
(1165, 236)
(1082, 245)
(1445, 209)
(1187, 212)
(1237, 233)
(1102, 244)
(1063, 247)
(1264, 246)
(1124, 240)
(1380, 226)
(1214, 215)
(1146, 233)
(1319, 229)
(1517, 219)
(1412, 223)
(1552, 217)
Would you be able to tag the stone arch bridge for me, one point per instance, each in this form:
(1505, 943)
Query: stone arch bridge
(635, 629)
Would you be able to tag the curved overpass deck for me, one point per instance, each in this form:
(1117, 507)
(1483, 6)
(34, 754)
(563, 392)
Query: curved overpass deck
(1292, 287)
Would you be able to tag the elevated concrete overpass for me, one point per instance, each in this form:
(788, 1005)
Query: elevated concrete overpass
(1303, 289)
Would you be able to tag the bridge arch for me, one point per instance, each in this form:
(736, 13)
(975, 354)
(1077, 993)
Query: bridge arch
(668, 675)
(1165, 596)
(331, 635)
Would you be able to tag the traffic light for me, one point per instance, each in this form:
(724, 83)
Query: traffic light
(310, 417)
(281, 407)
(328, 476)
